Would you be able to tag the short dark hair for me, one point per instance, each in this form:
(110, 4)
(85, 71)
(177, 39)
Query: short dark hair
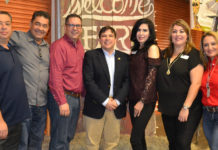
(72, 16)
(6, 13)
(41, 13)
(152, 35)
(104, 29)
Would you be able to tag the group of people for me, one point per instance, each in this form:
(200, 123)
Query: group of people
(35, 77)
(24, 75)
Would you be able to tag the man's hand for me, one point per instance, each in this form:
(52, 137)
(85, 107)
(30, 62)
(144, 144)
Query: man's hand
(3, 130)
(112, 104)
(64, 110)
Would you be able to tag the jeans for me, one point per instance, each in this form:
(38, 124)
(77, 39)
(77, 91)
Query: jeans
(139, 124)
(63, 128)
(210, 126)
(33, 129)
(13, 138)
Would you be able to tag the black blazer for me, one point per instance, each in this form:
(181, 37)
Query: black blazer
(97, 83)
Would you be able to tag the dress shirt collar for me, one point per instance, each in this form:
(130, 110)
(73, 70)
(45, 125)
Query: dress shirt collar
(70, 41)
(107, 54)
(30, 38)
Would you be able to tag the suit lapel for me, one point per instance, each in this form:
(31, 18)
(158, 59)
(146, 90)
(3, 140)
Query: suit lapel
(103, 63)
(117, 65)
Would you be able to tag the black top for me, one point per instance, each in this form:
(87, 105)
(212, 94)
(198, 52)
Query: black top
(143, 72)
(13, 100)
(173, 88)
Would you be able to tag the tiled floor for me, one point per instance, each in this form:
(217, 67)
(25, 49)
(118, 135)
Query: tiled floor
(155, 142)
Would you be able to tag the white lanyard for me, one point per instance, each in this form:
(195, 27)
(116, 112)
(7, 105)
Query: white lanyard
(210, 73)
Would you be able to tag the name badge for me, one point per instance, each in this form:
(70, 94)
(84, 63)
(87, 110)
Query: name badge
(184, 56)
(133, 52)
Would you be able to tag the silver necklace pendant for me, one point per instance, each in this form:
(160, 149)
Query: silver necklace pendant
(208, 89)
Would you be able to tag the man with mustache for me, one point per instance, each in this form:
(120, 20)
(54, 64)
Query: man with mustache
(13, 100)
(66, 83)
(33, 52)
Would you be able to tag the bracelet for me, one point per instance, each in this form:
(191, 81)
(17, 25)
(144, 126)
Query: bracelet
(185, 107)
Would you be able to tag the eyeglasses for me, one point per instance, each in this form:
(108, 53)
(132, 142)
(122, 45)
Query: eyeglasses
(74, 25)
(194, 4)
(8, 23)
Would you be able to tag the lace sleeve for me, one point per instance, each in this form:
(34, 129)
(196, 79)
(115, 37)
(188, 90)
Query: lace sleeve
(149, 92)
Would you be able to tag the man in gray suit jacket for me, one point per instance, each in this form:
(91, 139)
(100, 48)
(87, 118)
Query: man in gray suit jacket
(106, 79)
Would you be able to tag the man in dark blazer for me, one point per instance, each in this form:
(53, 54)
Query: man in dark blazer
(106, 79)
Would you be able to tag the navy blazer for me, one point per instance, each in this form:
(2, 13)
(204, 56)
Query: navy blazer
(97, 83)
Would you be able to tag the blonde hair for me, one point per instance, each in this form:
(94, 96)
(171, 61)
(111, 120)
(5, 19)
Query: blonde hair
(189, 43)
(203, 56)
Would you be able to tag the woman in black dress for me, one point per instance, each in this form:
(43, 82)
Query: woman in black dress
(178, 82)
(144, 60)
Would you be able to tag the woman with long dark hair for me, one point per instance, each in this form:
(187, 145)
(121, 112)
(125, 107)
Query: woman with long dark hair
(144, 60)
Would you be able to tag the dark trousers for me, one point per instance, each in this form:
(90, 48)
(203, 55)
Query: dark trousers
(63, 128)
(180, 134)
(139, 124)
(33, 129)
(13, 138)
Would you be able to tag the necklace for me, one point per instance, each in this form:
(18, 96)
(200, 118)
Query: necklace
(169, 65)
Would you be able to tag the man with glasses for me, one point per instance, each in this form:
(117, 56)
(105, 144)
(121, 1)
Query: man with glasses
(14, 107)
(33, 52)
(66, 83)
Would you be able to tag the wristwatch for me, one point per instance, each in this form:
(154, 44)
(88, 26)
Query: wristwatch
(185, 107)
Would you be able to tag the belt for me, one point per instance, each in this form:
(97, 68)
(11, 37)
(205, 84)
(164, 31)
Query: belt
(211, 108)
(77, 95)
